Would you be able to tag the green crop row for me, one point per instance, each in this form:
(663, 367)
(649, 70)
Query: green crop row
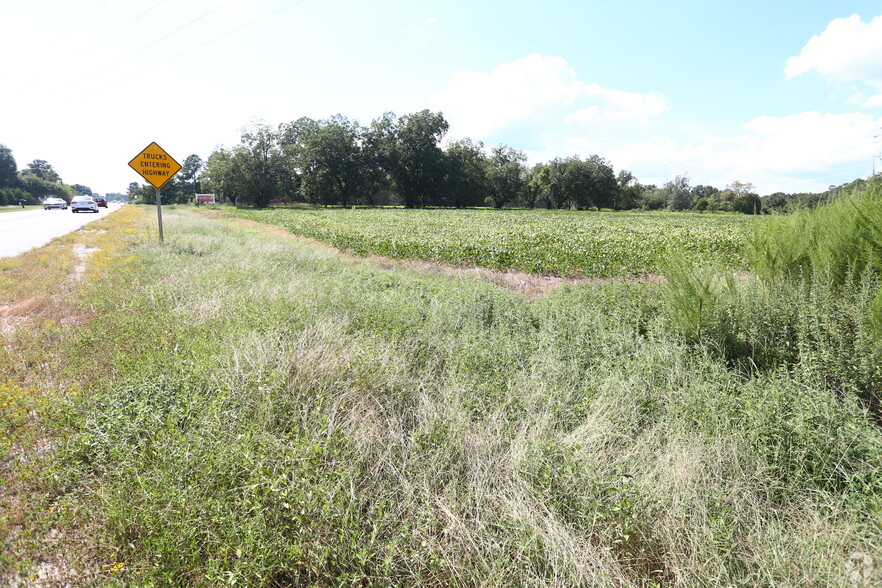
(570, 243)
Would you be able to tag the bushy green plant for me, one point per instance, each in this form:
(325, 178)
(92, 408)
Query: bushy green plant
(831, 242)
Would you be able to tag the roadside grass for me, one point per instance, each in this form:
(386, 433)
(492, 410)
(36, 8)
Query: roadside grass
(42, 304)
(14, 208)
(270, 413)
(558, 242)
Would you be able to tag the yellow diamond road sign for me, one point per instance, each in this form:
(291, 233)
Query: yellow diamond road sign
(155, 165)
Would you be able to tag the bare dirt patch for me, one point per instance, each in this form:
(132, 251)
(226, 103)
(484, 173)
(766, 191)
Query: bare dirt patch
(82, 253)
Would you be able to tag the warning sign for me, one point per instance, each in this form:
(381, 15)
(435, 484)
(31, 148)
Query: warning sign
(155, 165)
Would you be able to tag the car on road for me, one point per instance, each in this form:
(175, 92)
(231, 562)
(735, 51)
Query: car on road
(79, 203)
(100, 201)
(55, 202)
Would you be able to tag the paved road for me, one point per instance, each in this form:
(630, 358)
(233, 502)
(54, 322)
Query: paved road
(25, 230)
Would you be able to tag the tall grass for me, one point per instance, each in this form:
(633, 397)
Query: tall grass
(834, 242)
(279, 416)
(813, 303)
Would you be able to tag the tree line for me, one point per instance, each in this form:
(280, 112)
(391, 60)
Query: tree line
(400, 161)
(37, 181)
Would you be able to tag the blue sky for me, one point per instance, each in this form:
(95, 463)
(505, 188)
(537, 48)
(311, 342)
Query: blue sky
(786, 95)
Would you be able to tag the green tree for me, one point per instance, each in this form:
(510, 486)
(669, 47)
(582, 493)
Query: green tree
(218, 174)
(412, 156)
(189, 175)
(43, 170)
(466, 174)
(12, 196)
(8, 168)
(257, 169)
(748, 204)
(38, 187)
(600, 187)
(506, 175)
(581, 184)
(329, 159)
(677, 193)
(132, 189)
(629, 193)
(745, 199)
(538, 180)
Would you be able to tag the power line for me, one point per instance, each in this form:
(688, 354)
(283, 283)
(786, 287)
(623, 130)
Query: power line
(219, 37)
(85, 18)
(180, 28)
(115, 31)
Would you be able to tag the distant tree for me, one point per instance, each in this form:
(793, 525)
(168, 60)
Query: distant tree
(601, 186)
(538, 181)
(506, 175)
(257, 166)
(328, 156)
(566, 181)
(743, 188)
(8, 168)
(724, 200)
(748, 204)
(654, 198)
(703, 191)
(189, 175)
(81, 189)
(677, 193)
(745, 200)
(465, 174)
(777, 202)
(218, 175)
(412, 156)
(174, 191)
(581, 184)
(38, 187)
(11, 196)
(43, 170)
(629, 191)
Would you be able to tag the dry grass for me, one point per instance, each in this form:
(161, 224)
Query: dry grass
(43, 299)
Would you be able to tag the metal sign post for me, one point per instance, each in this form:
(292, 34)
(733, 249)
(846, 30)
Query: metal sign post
(159, 213)
(157, 167)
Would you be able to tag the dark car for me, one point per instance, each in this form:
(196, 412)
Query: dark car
(100, 201)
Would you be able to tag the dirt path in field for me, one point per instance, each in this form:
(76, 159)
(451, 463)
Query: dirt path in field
(524, 283)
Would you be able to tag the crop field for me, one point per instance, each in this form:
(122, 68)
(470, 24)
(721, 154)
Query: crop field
(568, 243)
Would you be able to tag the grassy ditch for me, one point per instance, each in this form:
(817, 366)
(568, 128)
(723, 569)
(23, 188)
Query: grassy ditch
(266, 412)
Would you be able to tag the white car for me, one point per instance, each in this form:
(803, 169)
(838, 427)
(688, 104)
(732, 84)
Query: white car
(54, 202)
(83, 203)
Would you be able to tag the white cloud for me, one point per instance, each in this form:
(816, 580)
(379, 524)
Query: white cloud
(848, 50)
(806, 149)
(537, 87)
(539, 104)
(617, 106)
(811, 141)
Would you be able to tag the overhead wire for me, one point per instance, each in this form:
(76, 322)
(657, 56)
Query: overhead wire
(84, 18)
(166, 36)
(219, 37)
(118, 29)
